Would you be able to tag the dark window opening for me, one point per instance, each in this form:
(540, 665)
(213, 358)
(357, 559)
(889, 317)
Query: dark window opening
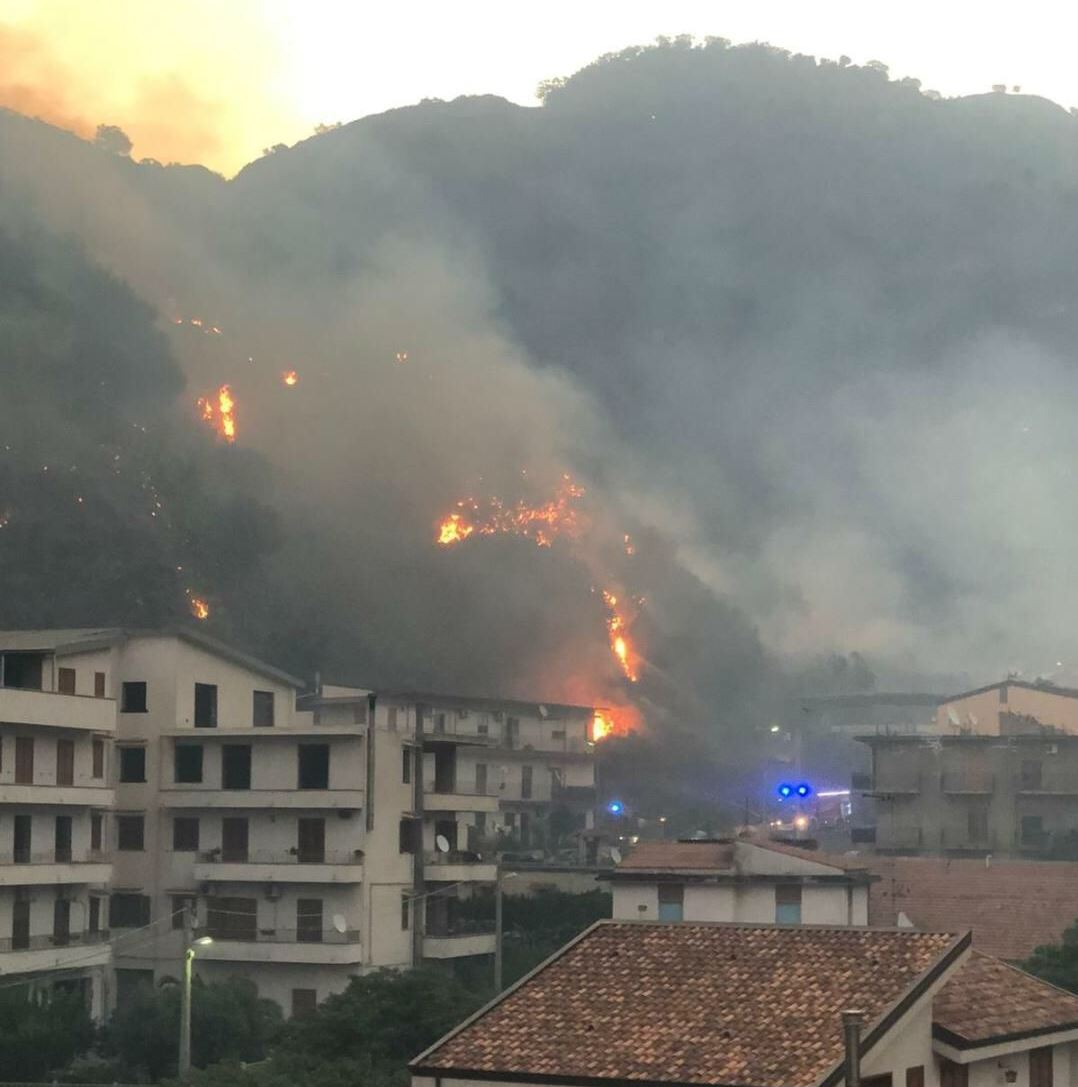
(205, 705)
(23, 836)
(98, 759)
(235, 833)
(133, 697)
(93, 923)
(20, 924)
(526, 782)
(61, 922)
(406, 911)
(96, 832)
(263, 709)
(185, 834)
(304, 1003)
(65, 762)
(22, 670)
(132, 764)
(311, 841)
(409, 835)
(314, 766)
(512, 732)
(481, 778)
(236, 766)
(130, 832)
(187, 769)
(65, 680)
(309, 920)
(232, 918)
(62, 839)
(445, 770)
(24, 760)
(406, 765)
(99, 684)
(915, 1077)
(129, 911)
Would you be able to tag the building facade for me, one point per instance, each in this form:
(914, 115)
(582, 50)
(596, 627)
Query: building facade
(984, 711)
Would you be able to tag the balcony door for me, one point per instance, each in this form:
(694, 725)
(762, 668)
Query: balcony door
(23, 830)
(61, 922)
(65, 762)
(234, 834)
(20, 925)
(62, 839)
(24, 760)
(311, 843)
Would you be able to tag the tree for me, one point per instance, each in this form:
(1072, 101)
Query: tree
(1057, 963)
(41, 1033)
(113, 139)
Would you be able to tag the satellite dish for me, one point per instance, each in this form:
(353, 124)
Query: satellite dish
(339, 923)
(543, 712)
(615, 855)
(442, 843)
(953, 718)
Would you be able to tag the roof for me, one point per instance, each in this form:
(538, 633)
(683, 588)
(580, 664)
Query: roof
(536, 708)
(958, 894)
(706, 856)
(1045, 688)
(82, 639)
(989, 1002)
(695, 1003)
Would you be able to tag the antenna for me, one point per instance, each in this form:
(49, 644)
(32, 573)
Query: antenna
(339, 923)
(442, 843)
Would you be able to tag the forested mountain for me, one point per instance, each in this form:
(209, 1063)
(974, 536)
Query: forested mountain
(801, 332)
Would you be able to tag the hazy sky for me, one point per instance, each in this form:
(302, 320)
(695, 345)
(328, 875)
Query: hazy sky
(217, 80)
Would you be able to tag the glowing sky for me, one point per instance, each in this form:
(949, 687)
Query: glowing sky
(215, 81)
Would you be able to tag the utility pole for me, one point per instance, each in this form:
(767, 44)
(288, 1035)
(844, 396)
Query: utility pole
(185, 996)
(498, 929)
(419, 903)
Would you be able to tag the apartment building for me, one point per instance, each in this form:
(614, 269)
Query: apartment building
(751, 880)
(982, 710)
(1014, 793)
(57, 724)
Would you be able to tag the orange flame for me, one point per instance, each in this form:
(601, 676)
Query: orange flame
(290, 377)
(541, 524)
(617, 626)
(220, 415)
(199, 608)
(614, 721)
(630, 547)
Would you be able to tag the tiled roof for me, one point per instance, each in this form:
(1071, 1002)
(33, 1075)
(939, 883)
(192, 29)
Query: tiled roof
(1011, 906)
(987, 1000)
(832, 860)
(680, 856)
(693, 1003)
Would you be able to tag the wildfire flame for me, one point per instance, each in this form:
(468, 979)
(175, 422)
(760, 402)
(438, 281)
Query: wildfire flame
(542, 524)
(290, 377)
(221, 415)
(614, 721)
(199, 608)
(617, 627)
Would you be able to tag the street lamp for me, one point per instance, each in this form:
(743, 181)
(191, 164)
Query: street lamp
(189, 945)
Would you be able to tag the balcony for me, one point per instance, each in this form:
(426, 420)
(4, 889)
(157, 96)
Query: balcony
(47, 952)
(458, 866)
(464, 936)
(1048, 785)
(44, 869)
(318, 947)
(281, 867)
(452, 797)
(569, 746)
(202, 797)
(967, 783)
(87, 796)
(62, 711)
(891, 785)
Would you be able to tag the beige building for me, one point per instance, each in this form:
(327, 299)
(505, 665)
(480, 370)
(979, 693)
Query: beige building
(982, 711)
(699, 1003)
(746, 880)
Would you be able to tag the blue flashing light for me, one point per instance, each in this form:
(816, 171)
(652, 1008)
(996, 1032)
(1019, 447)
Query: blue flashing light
(804, 789)
(615, 807)
(786, 791)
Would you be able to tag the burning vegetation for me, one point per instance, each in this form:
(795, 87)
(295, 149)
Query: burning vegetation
(220, 412)
(617, 626)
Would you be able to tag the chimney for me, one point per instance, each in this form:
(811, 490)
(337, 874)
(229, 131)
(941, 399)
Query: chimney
(851, 1032)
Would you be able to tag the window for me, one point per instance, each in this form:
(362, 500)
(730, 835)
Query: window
(65, 762)
(309, 920)
(915, 1077)
(510, 820)
(23, 670)
(512, 732)
(557, 735)
(132, 764)
(133, 697)
(96, 825)
(93, 923)
(671, 902)
(313, 766)
(408, 835)
(526, 782)
(185, 834)
(977, 824)
(311, 841)
(205, 705)
(98, 770)
(24, 760)
(406, 911)
(24, 826)
(130, 832)
(1033, 830)
(187, 768)
(263, 709)
(236, 766)
(20, 924)
(304, 1003)
(481, 778)
(439, 722)
(788, 904)
(406, 765)
(953, 1074)
(235, 833)
(232, 918)
(129, 911)
(65, 680)
(179, 907)
(483, 729)
(61, 922)
(391, 718)
(1031, 774)
(99, 684)
(1040, 1067)
(359, 715)
(62, 839)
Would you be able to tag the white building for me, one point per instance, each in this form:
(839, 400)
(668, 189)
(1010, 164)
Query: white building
(735, 879)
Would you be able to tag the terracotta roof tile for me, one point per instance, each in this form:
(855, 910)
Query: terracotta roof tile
(958, 894)
(987, 999)
(692, 1003)
(680, 856)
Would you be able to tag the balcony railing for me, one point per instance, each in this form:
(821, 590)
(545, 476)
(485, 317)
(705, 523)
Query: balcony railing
(49, 941)
(53, 856)
(896, 785)
(284, 935)
(459, 926)
(277, 856)
(454, 856)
